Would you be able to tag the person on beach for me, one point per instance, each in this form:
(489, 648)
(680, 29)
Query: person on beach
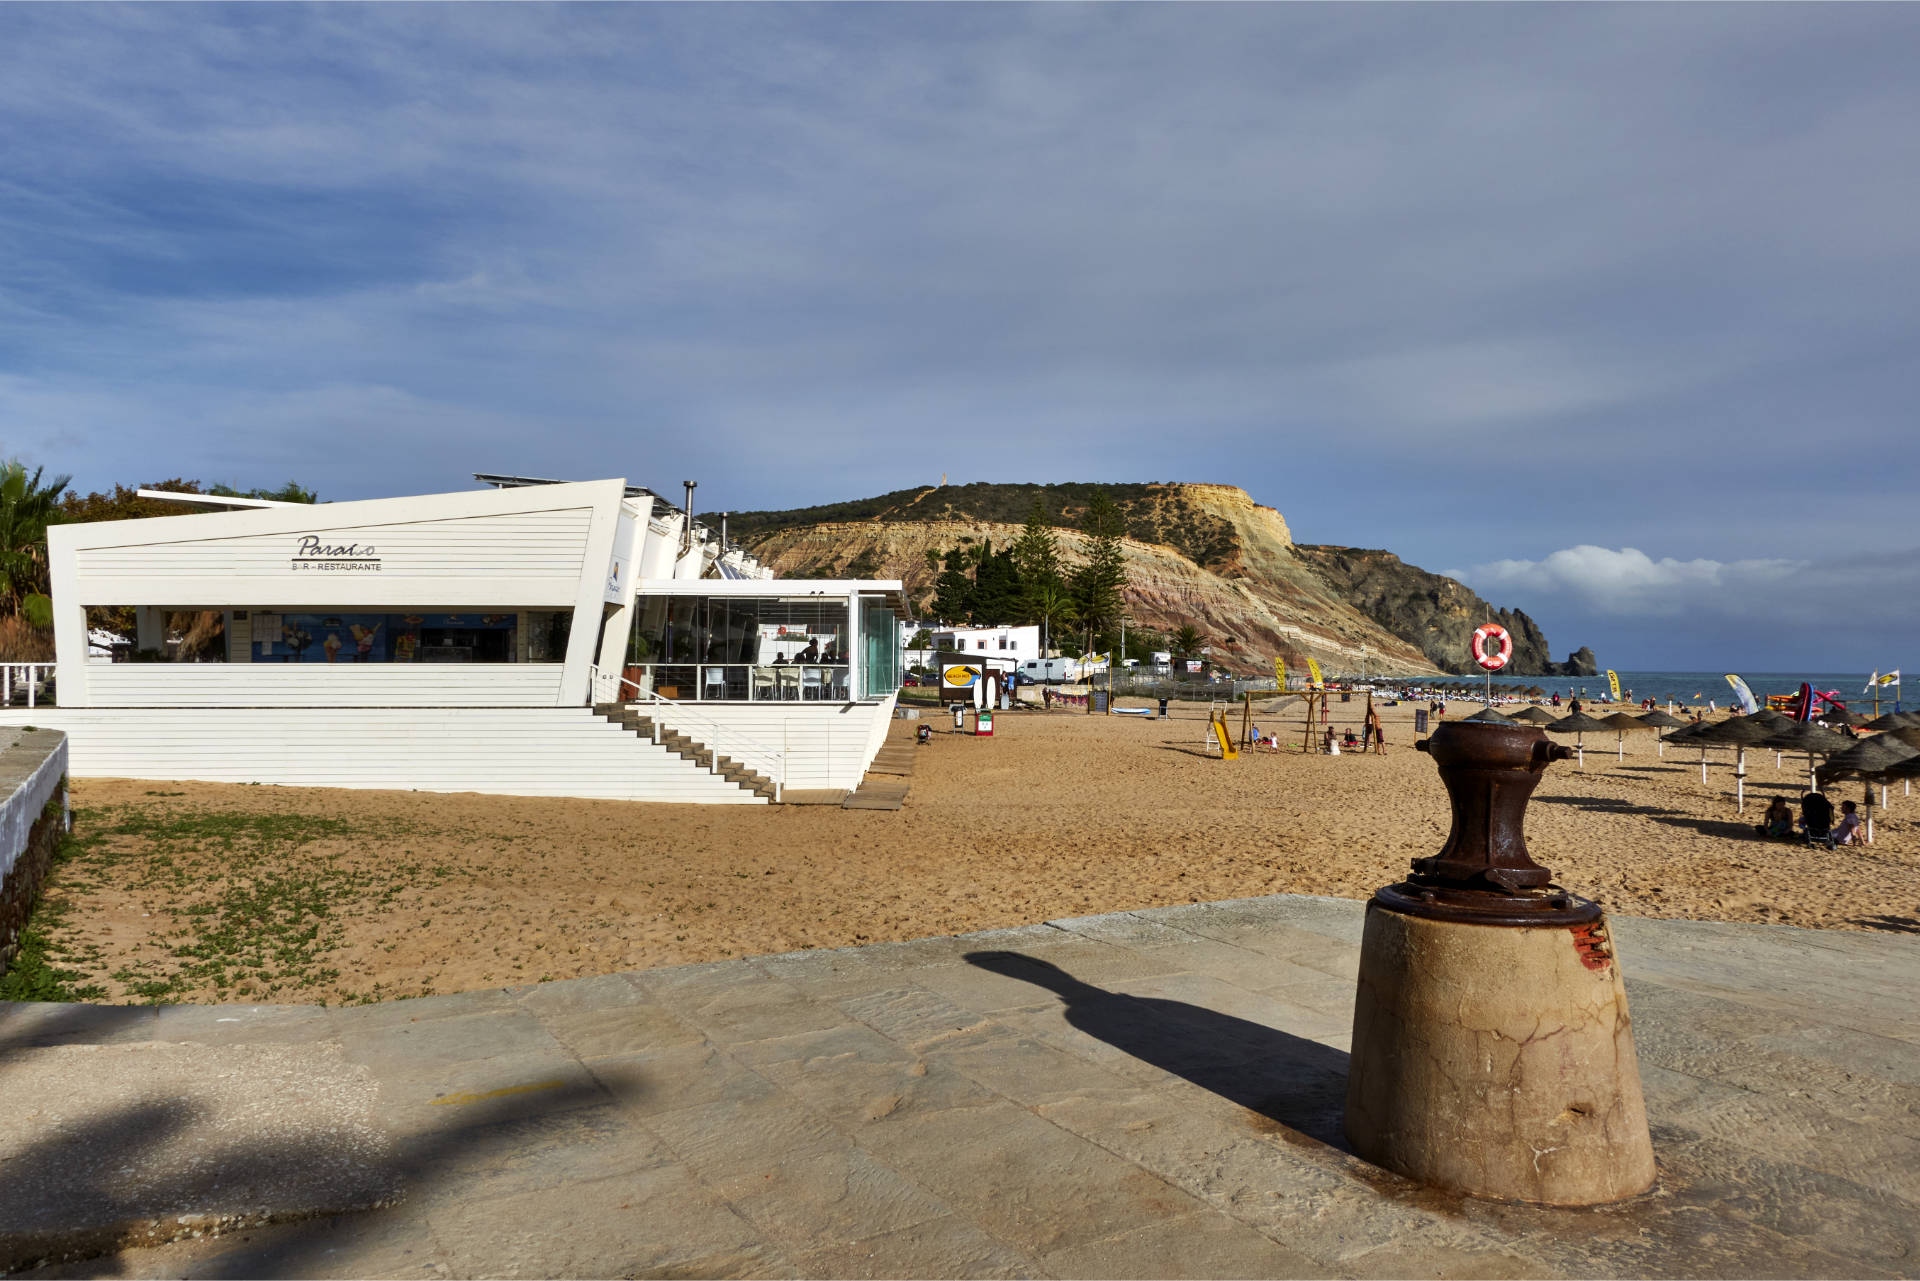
(1847, 831)
(1555, 700)
(1573, 708)
(1778, 820)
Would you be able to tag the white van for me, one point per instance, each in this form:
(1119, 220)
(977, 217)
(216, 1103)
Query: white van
(1051, 671)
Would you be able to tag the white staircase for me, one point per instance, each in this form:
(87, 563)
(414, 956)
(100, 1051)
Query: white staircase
(506, 751)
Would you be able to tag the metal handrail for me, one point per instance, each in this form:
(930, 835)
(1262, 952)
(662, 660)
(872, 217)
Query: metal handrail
(716, 738)
(28, 679)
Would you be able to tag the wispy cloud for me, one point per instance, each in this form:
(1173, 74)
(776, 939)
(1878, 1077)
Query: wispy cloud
(1627, 581)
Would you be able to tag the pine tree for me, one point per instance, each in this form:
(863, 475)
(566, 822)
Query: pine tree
(1037, 552)
(953, 590)
(997, 589)
(1100, 585)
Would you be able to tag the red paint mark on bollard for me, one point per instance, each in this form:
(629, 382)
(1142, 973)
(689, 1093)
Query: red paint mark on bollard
(1593, 945)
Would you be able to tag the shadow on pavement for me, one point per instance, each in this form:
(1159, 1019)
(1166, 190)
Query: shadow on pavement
(1299, 1083)
(74, 1210)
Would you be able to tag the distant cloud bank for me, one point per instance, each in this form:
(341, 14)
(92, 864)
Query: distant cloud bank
(1628, 583)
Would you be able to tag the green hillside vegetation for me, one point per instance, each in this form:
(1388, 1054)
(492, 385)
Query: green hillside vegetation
(1149, 513)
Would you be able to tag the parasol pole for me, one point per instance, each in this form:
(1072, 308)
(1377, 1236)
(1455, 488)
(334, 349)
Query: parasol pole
(1580, 746)
(1620, 745)
(1740, 779)
(1703, 764)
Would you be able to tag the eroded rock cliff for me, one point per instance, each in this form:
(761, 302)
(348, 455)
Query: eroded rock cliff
(1199, 554)
(1429, 610)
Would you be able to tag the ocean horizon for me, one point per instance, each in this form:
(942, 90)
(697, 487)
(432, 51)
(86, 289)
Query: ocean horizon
(1701, 687)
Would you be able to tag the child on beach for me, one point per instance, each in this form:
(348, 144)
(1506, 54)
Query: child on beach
(1778, 820)
(1847, 832)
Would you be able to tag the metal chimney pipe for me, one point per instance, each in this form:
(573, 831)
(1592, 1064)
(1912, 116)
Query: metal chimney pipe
(723, 531)
(686, 533)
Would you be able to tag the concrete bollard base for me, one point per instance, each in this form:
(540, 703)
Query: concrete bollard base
(1497, 1061)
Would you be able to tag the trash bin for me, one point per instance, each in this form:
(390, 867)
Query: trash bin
(983, 723)
(959, 715)
(1163, 709)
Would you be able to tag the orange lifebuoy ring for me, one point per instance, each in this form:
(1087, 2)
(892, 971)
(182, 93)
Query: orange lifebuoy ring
(1495, 657)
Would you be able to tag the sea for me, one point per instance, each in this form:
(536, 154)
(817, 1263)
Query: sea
(1698, 688)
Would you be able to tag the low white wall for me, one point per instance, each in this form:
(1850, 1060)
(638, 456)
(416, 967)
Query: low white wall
(30, 773)
(134, 685)
(827, 745)
(508, 751)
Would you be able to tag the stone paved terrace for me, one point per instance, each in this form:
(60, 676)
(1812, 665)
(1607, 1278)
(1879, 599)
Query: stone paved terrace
(1154, 1093)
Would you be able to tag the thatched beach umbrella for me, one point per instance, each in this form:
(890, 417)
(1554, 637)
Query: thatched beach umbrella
(1739, 733)
(1492, 717)
(1621, 723)
(1814, 740)
(1581, 724)
(1657, 720)
(1902, 772)
(1538, 715)
(1890, 720)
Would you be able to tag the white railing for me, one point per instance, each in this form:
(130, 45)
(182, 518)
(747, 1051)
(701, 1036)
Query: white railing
(32, 676)
(718, 739)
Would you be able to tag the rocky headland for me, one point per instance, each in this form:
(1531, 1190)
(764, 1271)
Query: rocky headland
(1199, 554)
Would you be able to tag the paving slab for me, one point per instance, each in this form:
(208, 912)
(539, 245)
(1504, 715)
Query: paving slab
(107, 1146)
(1145, 1093)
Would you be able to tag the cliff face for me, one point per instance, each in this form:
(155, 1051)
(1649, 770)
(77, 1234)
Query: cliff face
(1205, 555)
(1435, 613)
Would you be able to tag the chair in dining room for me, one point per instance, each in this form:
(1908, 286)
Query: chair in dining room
(789, 678)
(713, 685)
(763, 682)
(811, 684)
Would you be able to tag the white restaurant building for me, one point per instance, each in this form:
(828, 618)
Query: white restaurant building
(549, 639)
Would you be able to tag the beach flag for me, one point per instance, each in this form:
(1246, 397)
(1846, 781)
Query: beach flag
(1280, 671)
(1871, 682)
(1613, 684)
(1748, 704)
(1891, 678)
(1313, 666)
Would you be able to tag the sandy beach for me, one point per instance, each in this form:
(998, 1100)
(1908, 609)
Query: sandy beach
(202, 892)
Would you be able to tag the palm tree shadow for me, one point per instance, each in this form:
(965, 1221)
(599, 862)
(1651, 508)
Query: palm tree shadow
(1288, 1079)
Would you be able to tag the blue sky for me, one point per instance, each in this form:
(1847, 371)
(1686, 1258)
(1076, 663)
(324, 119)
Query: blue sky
(1609, 309)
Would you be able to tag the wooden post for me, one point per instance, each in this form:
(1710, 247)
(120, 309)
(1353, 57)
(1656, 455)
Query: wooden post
(1246, 719)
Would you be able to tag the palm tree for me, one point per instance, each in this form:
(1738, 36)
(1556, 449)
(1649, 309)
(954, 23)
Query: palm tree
(1052, 600)
(27, 507)
(1186, 639)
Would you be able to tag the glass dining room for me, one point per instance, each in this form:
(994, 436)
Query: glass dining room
(740, 648)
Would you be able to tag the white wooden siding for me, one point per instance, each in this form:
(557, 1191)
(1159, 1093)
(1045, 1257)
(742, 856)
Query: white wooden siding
(527, 558)
(558, 751)
(827, 745)
(515, 544)
(127, 685)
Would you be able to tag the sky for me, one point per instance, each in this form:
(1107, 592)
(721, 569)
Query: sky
(1608, 310)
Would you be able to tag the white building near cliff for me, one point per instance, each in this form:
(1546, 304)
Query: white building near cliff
(1019, 644)
(548, 639)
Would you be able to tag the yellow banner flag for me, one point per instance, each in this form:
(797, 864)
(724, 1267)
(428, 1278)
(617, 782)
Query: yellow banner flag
(1314, 667)
(1613, 684)
(1280, 671)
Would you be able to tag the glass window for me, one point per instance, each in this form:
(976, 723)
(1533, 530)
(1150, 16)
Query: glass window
(749, 630)
(350, 637)
(879, 648)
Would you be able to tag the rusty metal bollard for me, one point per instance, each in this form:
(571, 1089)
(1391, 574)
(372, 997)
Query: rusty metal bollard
(1492, 1049)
